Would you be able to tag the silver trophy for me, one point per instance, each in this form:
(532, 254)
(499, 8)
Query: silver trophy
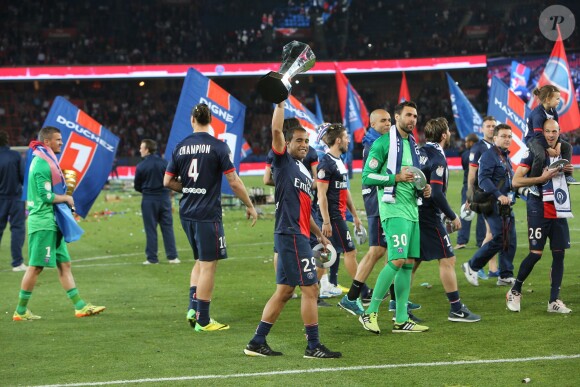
(297, 57)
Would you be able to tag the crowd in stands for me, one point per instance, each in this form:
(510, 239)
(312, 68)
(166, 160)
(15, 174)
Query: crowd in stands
(56, 32)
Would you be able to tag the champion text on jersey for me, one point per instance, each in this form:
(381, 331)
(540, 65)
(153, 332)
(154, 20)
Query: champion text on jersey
(194, 149)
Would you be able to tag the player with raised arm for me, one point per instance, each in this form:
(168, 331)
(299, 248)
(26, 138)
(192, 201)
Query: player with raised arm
(294, 223)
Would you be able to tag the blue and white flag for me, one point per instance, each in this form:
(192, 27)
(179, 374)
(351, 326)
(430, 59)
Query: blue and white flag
(467, 119)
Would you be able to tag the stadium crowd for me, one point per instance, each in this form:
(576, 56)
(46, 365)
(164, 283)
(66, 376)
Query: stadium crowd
(58, 33)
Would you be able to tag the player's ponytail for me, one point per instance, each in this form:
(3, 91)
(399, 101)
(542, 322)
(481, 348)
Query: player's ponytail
(201, 113)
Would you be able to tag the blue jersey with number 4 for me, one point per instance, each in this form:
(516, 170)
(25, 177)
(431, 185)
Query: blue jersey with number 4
(200, 160)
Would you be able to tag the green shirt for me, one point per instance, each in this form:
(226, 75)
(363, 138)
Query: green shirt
(375, 173)
(40, 197)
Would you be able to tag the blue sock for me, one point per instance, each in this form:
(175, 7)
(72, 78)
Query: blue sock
(202, 315)
(556, 274)
(261, 332)
(333, 272)
(526, 268)
(312, 335)
(192, 298)
(364, 290)
(454, 300)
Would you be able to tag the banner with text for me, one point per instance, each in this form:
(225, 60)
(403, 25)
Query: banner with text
(227, 116)
(509, 109)
(88, 148)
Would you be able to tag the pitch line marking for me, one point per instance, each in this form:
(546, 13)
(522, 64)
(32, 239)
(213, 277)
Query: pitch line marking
(317, 370)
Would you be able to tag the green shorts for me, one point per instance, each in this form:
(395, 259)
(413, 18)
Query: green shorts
(47, 248)
(403, 238)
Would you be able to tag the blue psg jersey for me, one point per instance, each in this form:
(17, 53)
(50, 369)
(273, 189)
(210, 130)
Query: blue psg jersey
(369, 192)
(536, 121)
(476, 151)
(434, 166)
(293, 195)
(332, 171)
(200, 160)
(310, 160)
(535, 205)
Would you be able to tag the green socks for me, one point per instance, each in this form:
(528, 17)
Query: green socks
(73, 295)
(382, 286)
(402, 290)
(23, 298)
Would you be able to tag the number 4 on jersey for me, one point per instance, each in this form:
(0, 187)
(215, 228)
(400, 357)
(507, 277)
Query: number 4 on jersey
(193, 170)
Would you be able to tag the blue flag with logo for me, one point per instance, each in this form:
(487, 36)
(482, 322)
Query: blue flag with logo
(88, 148)
(227, 116)
(467, 119)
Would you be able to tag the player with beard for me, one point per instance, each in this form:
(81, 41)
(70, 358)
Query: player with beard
(334, 196)
(435, 242)
(387, 167)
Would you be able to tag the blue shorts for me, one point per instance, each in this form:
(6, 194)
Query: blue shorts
(296, 266)
(318, 220)
(539, 229)
(207, 239)
(435, 243)
(341, 238)
(376, 233)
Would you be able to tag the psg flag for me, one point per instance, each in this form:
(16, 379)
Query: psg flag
(227, 116)
(88, 148)
(557, 73)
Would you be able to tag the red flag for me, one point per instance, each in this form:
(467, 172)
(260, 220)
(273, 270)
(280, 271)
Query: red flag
(404, 95)
(355, 115)
(557, 73)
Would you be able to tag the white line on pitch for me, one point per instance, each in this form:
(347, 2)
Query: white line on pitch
(317, 370)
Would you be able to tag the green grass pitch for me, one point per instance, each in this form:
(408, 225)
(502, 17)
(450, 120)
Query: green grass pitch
(143, 335)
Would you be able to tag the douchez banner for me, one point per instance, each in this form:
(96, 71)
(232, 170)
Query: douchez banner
(88, 148)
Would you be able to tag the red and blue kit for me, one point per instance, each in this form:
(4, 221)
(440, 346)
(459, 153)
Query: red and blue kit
(293, 195)
(332, 171)
(200, 160)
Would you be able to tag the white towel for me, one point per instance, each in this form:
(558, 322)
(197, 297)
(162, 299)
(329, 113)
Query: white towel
(388, 196)
(560, 194)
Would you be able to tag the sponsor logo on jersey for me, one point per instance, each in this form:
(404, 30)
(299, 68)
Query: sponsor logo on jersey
(440, 170)
(374, 163)
(302, 186)
(200, 191)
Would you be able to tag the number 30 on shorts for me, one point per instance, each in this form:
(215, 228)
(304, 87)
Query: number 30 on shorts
(399, 240)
